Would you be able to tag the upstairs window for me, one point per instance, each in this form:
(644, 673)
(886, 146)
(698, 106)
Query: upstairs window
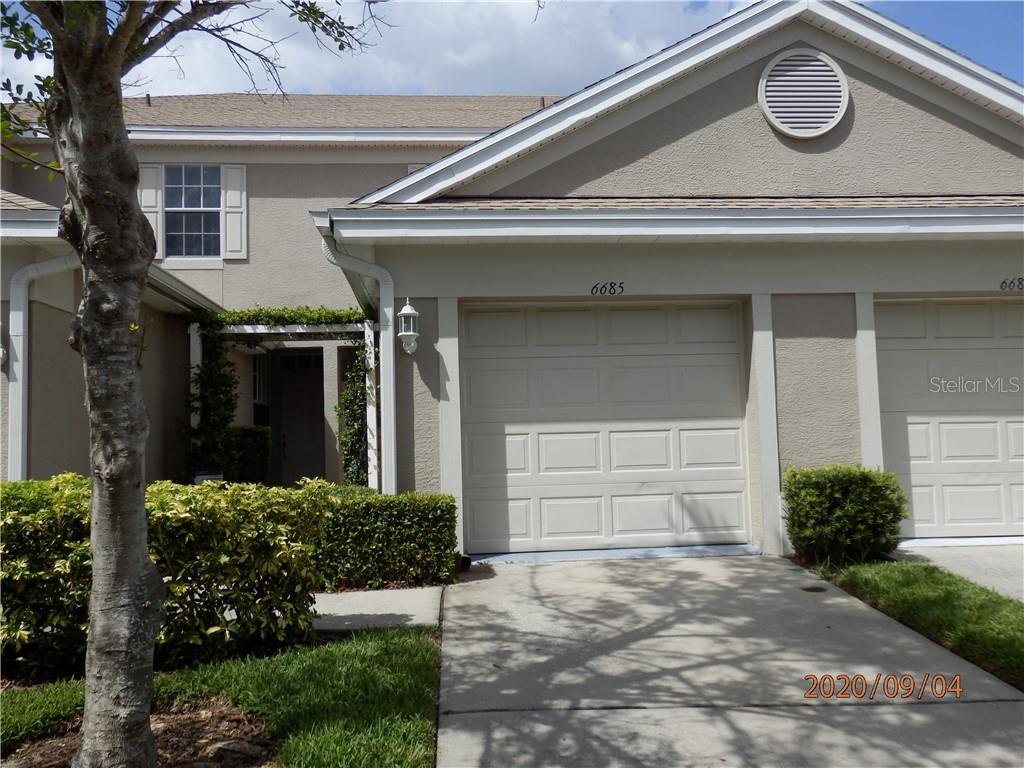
(192, 210)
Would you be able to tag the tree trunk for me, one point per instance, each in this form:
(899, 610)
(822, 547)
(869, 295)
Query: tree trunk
(102, 219)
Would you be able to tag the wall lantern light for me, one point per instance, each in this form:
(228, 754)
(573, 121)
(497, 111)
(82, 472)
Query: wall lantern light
(408, 327)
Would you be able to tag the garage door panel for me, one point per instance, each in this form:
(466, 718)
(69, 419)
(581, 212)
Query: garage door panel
(567, 327)
(941, 380)
(964, 321)
(950, 375)
(626, 515)
(491, 328)
(647, 515)
(686, 386)
(630, 450)
(1011, 317)
(610, 426)
(969, 441)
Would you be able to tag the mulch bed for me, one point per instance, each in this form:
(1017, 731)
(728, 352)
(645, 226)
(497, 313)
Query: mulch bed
(209, 733)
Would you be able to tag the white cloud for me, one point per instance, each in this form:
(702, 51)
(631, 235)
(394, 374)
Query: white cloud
(466, 47)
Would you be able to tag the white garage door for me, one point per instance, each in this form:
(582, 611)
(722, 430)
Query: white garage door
(950, 378)
(593, 427)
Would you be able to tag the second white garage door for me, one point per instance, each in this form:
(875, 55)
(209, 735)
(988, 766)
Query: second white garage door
(595, 427)
(950, 382)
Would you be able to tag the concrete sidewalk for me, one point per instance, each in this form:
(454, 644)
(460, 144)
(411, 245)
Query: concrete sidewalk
(999, 567)
(696, 662)
(342, 611)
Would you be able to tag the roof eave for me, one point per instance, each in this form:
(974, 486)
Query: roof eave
(376, 226)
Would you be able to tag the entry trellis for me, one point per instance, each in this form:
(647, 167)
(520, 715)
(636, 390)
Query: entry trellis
(270, 337)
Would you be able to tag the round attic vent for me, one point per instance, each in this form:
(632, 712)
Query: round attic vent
(803, 93)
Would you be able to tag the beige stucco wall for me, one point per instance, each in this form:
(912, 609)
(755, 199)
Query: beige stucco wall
(58, 430)
(417, 383)
(285, 266)
(717, 142)
(816, 379)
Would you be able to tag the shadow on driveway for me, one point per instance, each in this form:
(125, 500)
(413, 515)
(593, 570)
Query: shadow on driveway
(696, 662)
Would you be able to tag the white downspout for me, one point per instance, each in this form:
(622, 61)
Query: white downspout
(388, 437)
(17, 370)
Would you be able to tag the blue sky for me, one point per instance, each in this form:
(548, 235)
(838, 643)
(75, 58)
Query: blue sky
(506, 47)
(991, 33)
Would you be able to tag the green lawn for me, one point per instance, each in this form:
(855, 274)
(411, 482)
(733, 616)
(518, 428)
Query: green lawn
(980, 625)
(368, 700)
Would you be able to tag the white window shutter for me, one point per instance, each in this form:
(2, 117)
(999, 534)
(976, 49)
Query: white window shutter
(151, 192)
(233, 216)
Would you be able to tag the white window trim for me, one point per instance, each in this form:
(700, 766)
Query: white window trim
(152, 200)
(192, 262)
(192, 209)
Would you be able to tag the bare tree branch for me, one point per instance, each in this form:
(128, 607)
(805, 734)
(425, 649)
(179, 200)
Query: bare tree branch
(184, 23)
(157, 14)
(50, 16)
(132, 15)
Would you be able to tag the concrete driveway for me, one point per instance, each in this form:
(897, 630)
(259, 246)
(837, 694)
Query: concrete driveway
(695, 662)
(999, 567)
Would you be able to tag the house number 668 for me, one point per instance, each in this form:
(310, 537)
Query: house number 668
(608, 289)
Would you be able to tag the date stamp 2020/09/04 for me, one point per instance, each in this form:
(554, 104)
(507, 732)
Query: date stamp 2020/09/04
(882, 686)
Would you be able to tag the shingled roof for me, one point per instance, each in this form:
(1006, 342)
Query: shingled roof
(12, 202)
(242, 110)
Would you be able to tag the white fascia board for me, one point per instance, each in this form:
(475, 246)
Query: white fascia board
(29, 225)
(346, 136)
(956, 72)
(587, 104)
(380, 226)
(937, 59)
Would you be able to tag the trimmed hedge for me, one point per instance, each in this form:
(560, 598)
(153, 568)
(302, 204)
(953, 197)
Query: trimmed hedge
(371, 541)
(841, 514)
(241, 562)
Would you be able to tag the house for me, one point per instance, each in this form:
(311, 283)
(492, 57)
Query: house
(794, 238)
(610, 320)
(227, 181)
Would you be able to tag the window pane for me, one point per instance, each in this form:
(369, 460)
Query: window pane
(211, 197)
(172, 197)
(211, 175)
(194, 174)
(174, 222)
(172, 174)
(194, 223)
(193, 197)
(193, 245)
(174, 245)
(211, 245)
(211, 223)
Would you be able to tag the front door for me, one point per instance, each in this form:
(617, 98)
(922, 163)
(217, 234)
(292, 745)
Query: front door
(301, 427)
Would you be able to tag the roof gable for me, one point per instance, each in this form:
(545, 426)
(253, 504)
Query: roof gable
(853, 23)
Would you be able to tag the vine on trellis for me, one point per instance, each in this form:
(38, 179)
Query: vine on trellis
(351, 412)
(213, 444)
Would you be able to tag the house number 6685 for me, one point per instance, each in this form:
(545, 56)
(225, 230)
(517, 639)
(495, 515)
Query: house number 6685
(608, 289)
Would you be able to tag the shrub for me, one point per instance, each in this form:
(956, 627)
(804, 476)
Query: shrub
(374, 541)
(237, 561)
(45, 571)
(240, 562)
(247, 454)
(842, 514)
